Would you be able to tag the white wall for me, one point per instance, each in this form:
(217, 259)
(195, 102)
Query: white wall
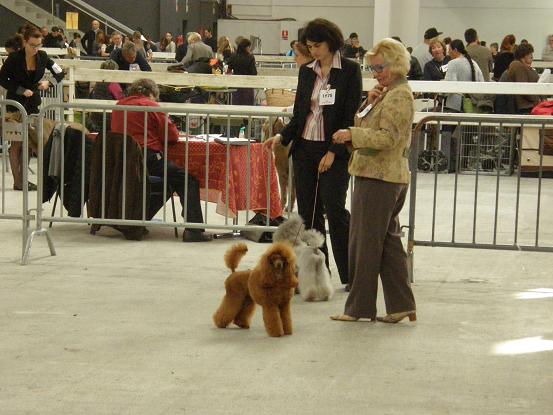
(349, 15)
(493, 19)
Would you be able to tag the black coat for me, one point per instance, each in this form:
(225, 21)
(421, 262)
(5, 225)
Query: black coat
(432, 69)
(88, 42)
(117, 56)
(15, 78)
(348, 84)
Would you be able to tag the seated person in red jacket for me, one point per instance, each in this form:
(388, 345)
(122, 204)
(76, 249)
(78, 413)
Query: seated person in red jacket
(144, 92)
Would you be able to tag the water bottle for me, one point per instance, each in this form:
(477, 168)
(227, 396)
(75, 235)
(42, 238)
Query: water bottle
(242, 132)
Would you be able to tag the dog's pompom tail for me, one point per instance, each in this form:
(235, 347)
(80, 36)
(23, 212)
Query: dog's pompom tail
(313, 238)
(234, 254)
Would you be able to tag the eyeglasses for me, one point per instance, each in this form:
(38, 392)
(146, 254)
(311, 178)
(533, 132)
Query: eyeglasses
(35, 46)
(378, 68)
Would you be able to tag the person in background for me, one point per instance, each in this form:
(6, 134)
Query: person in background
(524, 42)
(421, 51)
(224, 49)
(354, 50)
(415, 70)
(182, 48)
(145, 92)
(494, 49)
(480, 54)
(243, 63)
(127, 58)
(167, 44)
(90, 37)
(104, 91)
(100, 47)
(380, 142)
(447, 42)
(150, 46)
(520, 70)
(54, 39)
(328, 94)
(460, 68)
(21, 75)
(483, 43)
(197, 50)
(350, 38)
(210, 40)
(138, 41)
(116, 42)
(505, 56)
(43, 31)
(291, 51)
(436, 69)
(13, 44)
(302, 54)
(547, 54)
(108, 90)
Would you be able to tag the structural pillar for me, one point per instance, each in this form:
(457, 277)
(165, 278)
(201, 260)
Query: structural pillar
(397, 18)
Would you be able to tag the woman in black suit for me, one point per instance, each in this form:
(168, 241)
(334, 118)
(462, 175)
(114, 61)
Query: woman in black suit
(327, 97)
(21, 75)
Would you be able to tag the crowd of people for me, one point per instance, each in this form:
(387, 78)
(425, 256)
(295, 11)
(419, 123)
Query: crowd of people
(332, 134)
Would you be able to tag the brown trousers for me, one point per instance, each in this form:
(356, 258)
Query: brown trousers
(375, 248)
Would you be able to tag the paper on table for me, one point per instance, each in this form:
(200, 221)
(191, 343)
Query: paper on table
(200, 137)
(233, 141)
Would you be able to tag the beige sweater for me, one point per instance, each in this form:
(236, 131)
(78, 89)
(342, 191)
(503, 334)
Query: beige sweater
(381, 139)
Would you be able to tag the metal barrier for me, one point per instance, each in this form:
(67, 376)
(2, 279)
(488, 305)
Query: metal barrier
(227, 119)
(17, 132)
(498, 211)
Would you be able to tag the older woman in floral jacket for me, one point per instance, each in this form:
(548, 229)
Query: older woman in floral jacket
(380, 142)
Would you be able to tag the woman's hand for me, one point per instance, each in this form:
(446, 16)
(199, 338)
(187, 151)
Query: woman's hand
(269, 144)
(43, 85)
(341, 136)
(376, 93)
(28, 93)
(326, 162)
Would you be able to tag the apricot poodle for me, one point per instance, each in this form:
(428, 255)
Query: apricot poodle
(270, 284)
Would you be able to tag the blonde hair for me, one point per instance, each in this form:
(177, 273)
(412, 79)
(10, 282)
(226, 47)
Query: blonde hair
(394, 54)
(194, 37)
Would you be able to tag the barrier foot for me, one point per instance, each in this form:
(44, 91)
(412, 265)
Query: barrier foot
(28, 245)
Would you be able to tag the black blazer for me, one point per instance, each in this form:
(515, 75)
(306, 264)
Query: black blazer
(348, 85)
(15, 78)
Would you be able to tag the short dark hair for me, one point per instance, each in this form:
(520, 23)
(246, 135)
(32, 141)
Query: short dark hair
(471, 35)
(243, 45)
(522, 50)
(482, 43)
(352, 35)
(13, 43)
(292, 43)
(55, 29)
(322, 30)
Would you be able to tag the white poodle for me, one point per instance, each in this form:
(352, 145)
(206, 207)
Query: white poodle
(313, 275)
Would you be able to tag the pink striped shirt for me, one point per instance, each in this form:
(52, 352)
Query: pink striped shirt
(314, 129)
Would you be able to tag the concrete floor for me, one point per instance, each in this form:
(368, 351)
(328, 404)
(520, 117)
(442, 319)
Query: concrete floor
(110, 326)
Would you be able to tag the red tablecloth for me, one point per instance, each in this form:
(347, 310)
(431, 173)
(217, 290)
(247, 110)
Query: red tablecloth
(238, 169)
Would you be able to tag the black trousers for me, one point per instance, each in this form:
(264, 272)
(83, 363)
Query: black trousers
(176, 179)
(330, 199)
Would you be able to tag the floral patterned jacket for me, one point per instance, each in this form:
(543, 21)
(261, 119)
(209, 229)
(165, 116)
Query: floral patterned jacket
(381, 139)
